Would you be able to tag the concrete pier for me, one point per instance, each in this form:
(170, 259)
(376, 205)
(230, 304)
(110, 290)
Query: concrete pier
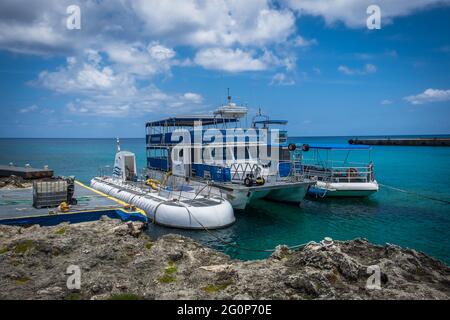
(25, 172)
(426, 142)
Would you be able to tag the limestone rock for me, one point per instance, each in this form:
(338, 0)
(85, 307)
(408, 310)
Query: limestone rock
(118, 259)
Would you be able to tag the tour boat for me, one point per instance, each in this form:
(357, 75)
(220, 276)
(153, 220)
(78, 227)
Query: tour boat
(334, 175)
(220, 150)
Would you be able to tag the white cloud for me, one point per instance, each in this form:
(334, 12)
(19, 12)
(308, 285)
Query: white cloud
(215, 23)
(83, 77)
(193, 97)
(29, 109)
(138, 59)
(386, 102)
(368, 68)
(299, 41)
(353, 12)
(110, 91)
(282, 79)
(228, 60)
(428, 96)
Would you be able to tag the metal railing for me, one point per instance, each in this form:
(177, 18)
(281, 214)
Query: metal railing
(344, 174)
(241, 170)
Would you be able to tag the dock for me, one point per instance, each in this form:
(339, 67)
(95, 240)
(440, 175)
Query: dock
(424, 142)
(16, 208)
(25, 172)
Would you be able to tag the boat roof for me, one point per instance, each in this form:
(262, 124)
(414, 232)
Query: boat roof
(190, 120)
(271, 122)
(338, 146)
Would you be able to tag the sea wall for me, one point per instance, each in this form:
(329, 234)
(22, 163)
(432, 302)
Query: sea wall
(117, 260)
(416, 142)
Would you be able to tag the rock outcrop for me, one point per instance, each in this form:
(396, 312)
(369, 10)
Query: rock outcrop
(15, 182)
(117, 260)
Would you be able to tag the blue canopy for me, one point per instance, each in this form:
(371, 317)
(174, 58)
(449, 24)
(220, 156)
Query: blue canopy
(338, 146)
(189, 121)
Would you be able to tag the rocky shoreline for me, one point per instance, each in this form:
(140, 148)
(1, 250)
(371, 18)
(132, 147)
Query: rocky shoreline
(118, 261)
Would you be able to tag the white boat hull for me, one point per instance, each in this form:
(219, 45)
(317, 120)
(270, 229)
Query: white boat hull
(339, 189)
(216, 213)
(241, 197)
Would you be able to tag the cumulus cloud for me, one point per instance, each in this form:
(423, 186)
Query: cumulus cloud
(215, 23)
(282, 79)
(84, 77)
(368, 68)
(300, 41)
(107, 90)
(353, 12)
(193, 97)
(232, 60)
(429, 96)
(386, 102)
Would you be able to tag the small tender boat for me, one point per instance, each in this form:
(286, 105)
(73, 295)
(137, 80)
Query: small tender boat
(168, 202)
(334, 175)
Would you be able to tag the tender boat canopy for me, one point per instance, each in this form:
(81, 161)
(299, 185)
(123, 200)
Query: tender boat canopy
(337, 146)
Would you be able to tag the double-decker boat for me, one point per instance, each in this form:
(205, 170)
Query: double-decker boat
(241, 162)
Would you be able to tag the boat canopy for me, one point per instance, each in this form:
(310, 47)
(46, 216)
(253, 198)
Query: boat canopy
(190, 121)
(337, 146)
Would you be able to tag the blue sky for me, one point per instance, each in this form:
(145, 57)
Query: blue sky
(314, 63)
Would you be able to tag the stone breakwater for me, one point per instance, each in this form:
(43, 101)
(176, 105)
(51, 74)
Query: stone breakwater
(117, 260)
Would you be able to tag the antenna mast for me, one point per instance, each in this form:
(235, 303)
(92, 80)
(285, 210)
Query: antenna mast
(118, 144)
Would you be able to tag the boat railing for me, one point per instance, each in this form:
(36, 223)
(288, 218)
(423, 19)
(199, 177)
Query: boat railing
(239, 171)
(179, 189)
(104, 171)
(344, 174)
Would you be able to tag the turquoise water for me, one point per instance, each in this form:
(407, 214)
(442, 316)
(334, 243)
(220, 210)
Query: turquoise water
(388, 216)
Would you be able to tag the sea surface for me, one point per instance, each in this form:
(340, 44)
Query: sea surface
(408, 219)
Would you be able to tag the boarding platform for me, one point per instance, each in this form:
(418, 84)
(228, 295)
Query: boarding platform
(16, 208)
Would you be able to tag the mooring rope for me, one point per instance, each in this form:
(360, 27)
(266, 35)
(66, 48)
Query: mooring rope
(234, 245)
(414, 193)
